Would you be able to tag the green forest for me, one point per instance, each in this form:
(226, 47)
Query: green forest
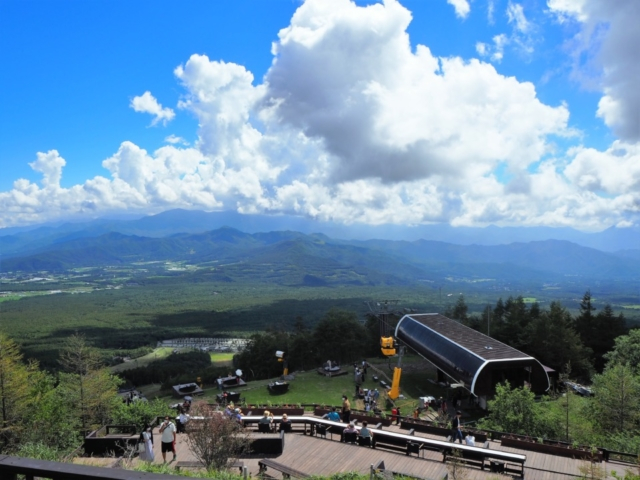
(44, 413)
(60, 333)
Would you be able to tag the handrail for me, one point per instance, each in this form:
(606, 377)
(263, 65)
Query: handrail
(11, 467)
(400, 436)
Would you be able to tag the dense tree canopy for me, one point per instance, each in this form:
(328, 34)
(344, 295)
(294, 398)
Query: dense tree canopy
(626, 350)
(14, 390)
(89, 385)
(552, 335)
(616, 404)
(598, 331)
(338, 336)
(516, 411)
(555, 342)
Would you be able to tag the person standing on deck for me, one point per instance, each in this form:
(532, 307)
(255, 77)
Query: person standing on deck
(346, 409)
(456, 427)
(168, 431)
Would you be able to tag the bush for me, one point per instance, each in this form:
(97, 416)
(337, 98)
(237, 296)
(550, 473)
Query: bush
(215, 440)
(140, 413)
(39, 451)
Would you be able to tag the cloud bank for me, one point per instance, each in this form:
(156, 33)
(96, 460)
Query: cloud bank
(617, 56)
(352, 124)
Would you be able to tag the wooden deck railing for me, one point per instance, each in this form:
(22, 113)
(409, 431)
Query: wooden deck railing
(11, 467)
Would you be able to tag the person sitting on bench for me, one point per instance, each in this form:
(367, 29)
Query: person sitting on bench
(285, 424)
(264, 424)
(366, 435)
(350, 434)
(332, 415)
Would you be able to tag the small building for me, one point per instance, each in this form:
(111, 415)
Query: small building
(471, 359)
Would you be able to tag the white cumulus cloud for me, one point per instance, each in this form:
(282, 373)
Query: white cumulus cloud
(461, 7)
(175, 140)
(611, 29)
(382, 111)
(147, 103)
(352, 123)
(50, 165)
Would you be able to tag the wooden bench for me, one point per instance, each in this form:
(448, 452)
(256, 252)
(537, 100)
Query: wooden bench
(187, 464)
(287, 472)
(197, 464)
(473, 458)
(398, 445)
(504, 461)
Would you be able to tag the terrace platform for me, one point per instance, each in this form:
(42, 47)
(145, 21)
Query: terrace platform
(326, 456)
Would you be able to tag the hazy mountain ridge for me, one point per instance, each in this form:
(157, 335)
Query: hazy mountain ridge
(317, 258)
(171, 222)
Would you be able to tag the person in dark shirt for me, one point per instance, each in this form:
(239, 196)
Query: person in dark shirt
(456, 428)
(285, 423)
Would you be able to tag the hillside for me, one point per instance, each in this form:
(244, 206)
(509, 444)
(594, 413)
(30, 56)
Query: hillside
(23, 239)
(295, 258)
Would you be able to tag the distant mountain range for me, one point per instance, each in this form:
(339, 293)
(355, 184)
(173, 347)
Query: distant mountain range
(18, 239)
(316, 258)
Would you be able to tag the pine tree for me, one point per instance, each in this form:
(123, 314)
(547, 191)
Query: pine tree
(91, 385)
(616, 403)
(14, 389)
(608, 326)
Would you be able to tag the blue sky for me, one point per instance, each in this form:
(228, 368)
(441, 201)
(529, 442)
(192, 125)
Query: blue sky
(507, 112)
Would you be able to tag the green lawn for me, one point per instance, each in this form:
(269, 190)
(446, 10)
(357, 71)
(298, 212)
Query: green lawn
(310, 387)
(163, 352)
(222, 358)
(157, 354)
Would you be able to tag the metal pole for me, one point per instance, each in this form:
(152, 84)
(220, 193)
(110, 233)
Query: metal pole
(371, 472)
(245, 472)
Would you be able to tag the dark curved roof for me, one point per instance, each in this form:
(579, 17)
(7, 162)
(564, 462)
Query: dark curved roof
(469, 357)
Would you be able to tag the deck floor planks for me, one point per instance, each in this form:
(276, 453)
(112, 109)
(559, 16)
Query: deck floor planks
(315, 455)
(324, 457)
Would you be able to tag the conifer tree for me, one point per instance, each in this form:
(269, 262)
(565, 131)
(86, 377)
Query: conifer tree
(91, 385)
(14, 389)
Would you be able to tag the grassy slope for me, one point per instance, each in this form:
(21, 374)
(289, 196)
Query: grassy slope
(163, 352)
(310, 387)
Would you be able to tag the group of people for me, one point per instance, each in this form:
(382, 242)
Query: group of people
(359, 375)
(232, 413)
(168, 432)
(365, 433)
(371, 398)
(267, 419)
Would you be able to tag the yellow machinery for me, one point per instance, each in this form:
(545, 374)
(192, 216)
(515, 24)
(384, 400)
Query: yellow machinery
(389, 348)
(384, 312)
